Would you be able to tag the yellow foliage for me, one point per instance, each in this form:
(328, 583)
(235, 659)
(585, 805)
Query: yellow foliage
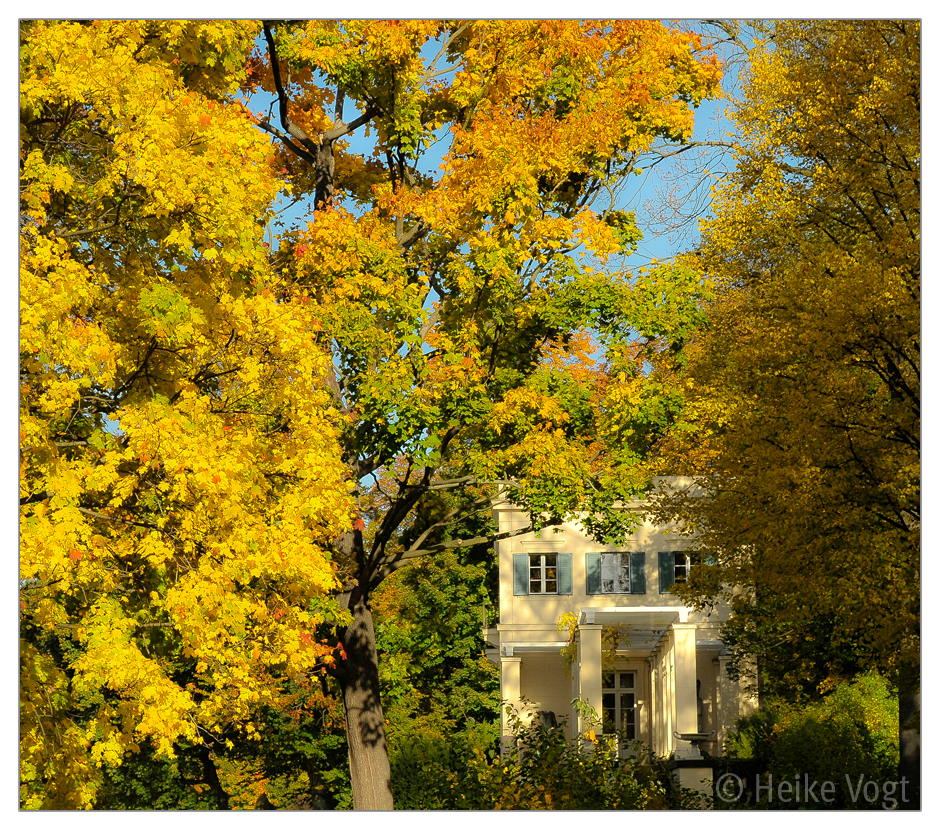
(180, 476)
(191, 450)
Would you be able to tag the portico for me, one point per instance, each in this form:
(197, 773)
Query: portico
(649, 668)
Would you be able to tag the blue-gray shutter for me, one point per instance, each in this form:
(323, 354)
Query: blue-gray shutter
(667, 571)
(637, 571)
(520, 574)
(592, 565)
(564, 573)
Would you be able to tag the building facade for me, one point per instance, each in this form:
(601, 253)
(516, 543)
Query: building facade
(651, 668)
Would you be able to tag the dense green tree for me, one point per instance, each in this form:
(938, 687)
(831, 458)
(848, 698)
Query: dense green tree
(849, 738)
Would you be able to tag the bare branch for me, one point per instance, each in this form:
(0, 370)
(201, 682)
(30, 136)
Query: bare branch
(419, 230)
(286, 124)
(342, 129)
(84, 231)
(102, 516)
(430, 73)
(36, 497)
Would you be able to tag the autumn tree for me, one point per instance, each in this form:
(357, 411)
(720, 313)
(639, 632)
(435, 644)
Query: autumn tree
(197, 407)
(464, 264)
(802, 398)
(180, 475)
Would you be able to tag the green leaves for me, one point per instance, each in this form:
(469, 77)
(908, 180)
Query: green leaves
(167, 314)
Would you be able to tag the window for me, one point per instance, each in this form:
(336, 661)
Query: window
(616, 573)
(681, 565)
(619, 703)
(541, 574)
(675, 566)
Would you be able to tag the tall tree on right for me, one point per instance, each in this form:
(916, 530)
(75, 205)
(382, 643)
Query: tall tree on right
(801, 418)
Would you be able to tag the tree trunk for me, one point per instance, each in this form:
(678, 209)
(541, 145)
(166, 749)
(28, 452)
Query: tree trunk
(365, 720)
(210, 775)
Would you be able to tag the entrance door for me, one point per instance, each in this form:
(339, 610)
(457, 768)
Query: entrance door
(619, 701)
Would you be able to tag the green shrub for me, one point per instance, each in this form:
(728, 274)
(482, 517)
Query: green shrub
(850, 737)
(754, 738)
(543, 771)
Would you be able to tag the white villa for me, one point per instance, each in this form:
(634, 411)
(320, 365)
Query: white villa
(669, 675)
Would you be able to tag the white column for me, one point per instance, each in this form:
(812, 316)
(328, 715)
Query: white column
(510, 688)
(574, 722)
(686, 701)
(655, 703)
(589, 668)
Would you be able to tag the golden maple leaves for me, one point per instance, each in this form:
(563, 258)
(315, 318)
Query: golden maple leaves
(179, 473)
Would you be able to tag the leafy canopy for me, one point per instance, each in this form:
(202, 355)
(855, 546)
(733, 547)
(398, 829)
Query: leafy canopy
(222, 437)
(801, 414)
(179, 468)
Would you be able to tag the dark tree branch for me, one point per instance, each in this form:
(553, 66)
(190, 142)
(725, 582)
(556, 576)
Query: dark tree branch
(412, 553)
(36, 497)
(300, 152)
(85, 231)
(286, 124)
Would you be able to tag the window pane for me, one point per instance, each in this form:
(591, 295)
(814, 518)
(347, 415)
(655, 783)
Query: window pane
(624, 575)
(626, 680)
(551, 573)
(535, 587)
(615, 573)
(628, 723)
(550, 559)
(551, 586)
(607, 681)
(682, 568)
